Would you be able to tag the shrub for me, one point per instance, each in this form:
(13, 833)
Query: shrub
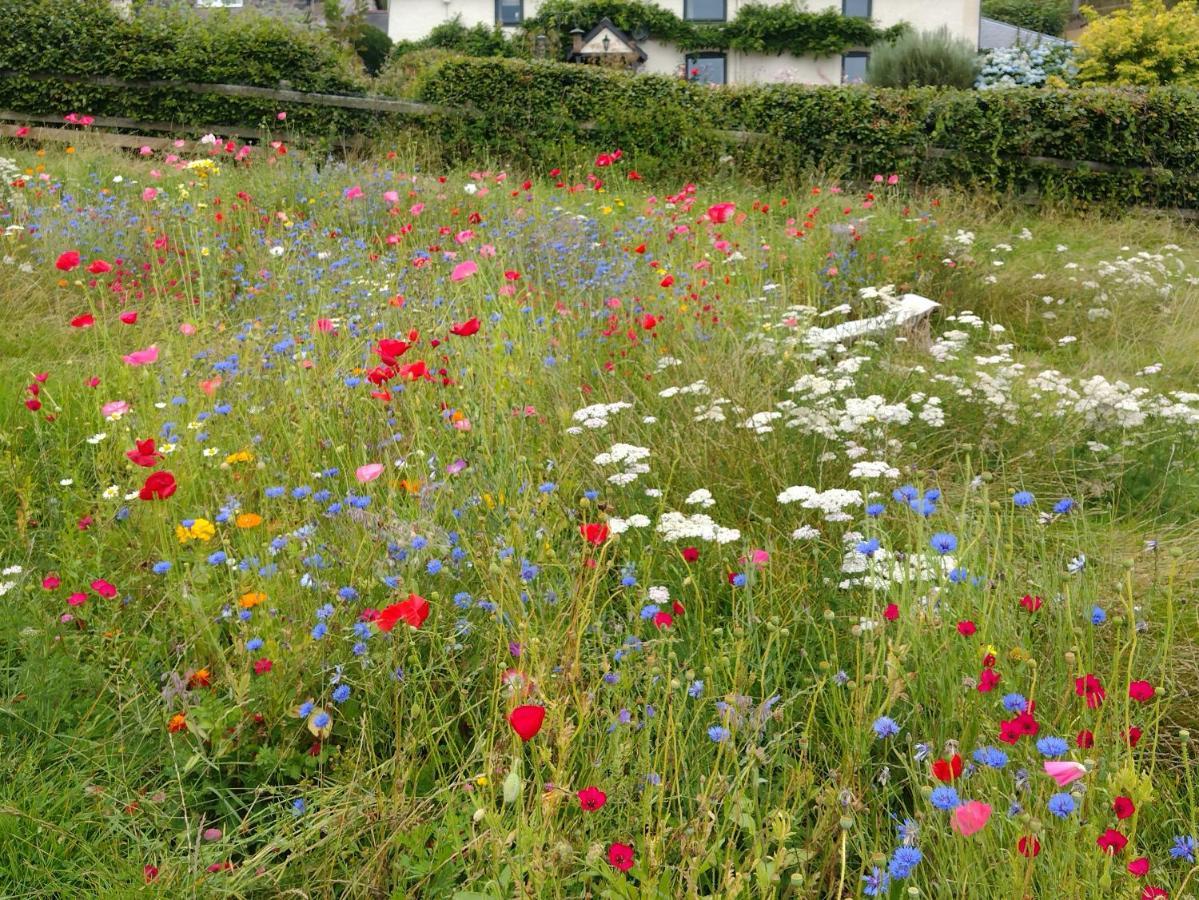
(532, 114)
(46, 38)
(1051, 64)
(477, 40)
(402, 74)
(1145, 44)
(373, 47)
(1045, 16)
(924, 59)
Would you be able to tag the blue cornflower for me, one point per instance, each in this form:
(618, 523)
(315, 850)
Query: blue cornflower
(876, 882)
(1052, 746)
(217, 558)
(908, 832)
(739, 580)
(254, 643)
(695, 689)
(924, 506)
(528, 571)
(945, 797)
(905, 494)
(305, 709)
(433, 566)
(943, 543)
(341, 693)
(874, 510)
(298, 806)
(347, 593)
(1098, 615)
(933, 494)
(1184, 848)
(1014, 703)
(321, 720)
(1063, 506)
(868, 547)
(547, 488)
(1061, 805)
(319, 630)
(718, 733)
(958, 575)
(649, 610)
(161, 567)
(420, 542)
(990, 756)
(274, 492)
(903, 861)
(1023, 499)
(885, 727)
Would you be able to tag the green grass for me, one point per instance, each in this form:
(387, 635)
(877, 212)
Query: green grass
(421, 788)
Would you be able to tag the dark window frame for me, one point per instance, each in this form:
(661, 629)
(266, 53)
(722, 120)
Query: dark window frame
(853, 54)
(724, 12)
(709, 54)
(499, 12)
(869, 9)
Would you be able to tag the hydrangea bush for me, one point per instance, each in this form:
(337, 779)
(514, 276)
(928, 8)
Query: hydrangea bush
(1051, 64)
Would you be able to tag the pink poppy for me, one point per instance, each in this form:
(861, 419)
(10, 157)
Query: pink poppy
(368, 472)
(464, 270)
(142, 357)
(970, 817)
(1064, 771)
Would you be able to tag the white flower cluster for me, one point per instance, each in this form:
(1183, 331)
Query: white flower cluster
(677, 526)
(596, 416)
(833, 502)
(630, 458)
(700, 497)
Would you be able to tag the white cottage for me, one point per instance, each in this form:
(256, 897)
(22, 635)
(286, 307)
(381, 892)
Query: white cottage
(413, 19)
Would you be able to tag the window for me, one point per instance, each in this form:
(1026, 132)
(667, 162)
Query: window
(858, 8)
(706, 68)
(853, 67)
(509, 12)
(704, 10)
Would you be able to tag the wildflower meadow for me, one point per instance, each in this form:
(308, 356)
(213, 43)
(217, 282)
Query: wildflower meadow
(373, 529)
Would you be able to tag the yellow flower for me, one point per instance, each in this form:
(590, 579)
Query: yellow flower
(482, 780)
(184, 534)
(203, 530)
(239, 456)
(248, 520)
(250, 599)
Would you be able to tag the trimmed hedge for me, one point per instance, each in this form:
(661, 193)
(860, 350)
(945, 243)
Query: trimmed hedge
(89, 38)
(536, 112)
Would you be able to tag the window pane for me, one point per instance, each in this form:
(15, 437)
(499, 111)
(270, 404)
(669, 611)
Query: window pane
(509, 12)
(706, 69)
(856, 8)
(853, 67)
(704, 10)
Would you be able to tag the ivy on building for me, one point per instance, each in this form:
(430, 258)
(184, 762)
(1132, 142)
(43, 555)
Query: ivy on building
(755, 28)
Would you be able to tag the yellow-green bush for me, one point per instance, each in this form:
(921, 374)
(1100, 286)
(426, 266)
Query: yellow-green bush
(1144, 44)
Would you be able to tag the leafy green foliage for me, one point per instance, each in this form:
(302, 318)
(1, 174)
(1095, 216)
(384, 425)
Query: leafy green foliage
(373, 47)
(924, 59)
(755, 27)
(530, 112)
(1144, 44)
(477, 40)
(88, 38)
(1045, 16)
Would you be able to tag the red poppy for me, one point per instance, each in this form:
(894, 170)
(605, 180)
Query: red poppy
(158, 486)
(99, 267)
(592, 798)
(988, 680)
(1123, 807)
(105, 589)
(144, 454)
(526, 721)
(1111, 842)
(1141, 691)
(86, 320)
(891, 613)
(690, 554)
(620, 856)
(1090, 687)
(262, 666)
(594, 533)
(966, 628)
(663, 619)
(1133, 736)
(1154, 893)
(465, 329)
(1031, 603)
(149, 872)
(67, 261)
(667, 281)
(1085, 739)
(129, 317)
(414, 611)
(389, 349)
(1139, 866)
(1028, 846)
(948, 769)
(720, 212)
